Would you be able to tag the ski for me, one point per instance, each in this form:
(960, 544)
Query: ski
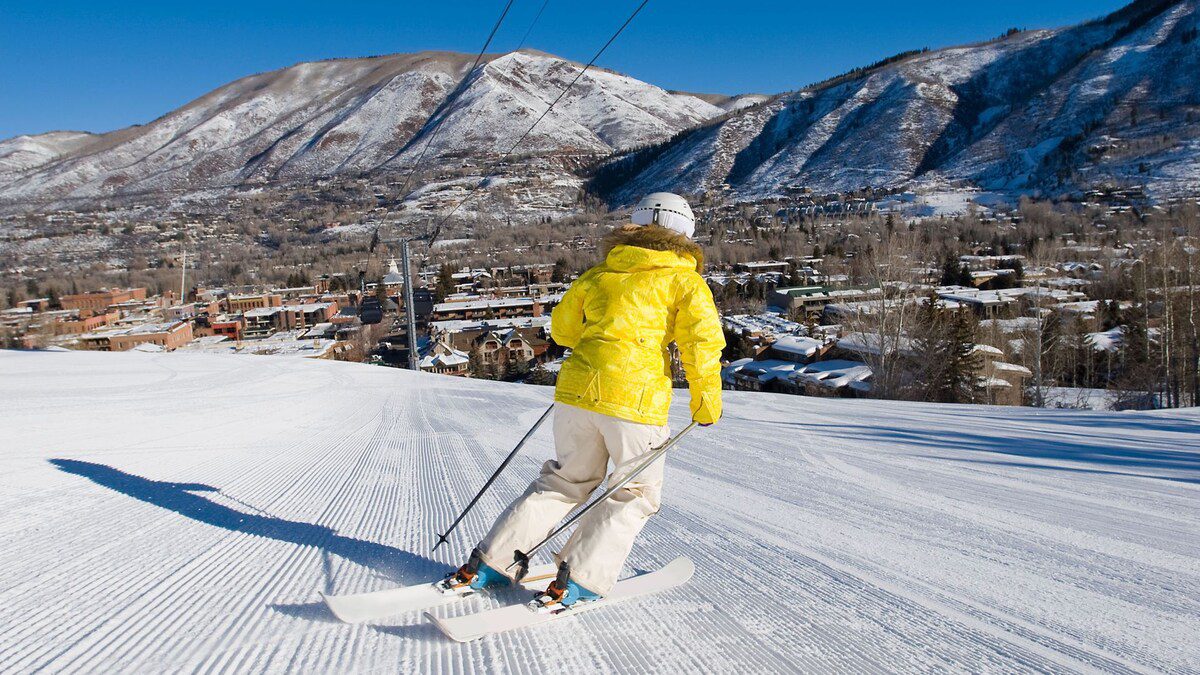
(470, 627)
(360, 607)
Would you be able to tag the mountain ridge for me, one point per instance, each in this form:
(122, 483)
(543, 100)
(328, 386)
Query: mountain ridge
(1046, 112)
(1016, 113)
(351, 116)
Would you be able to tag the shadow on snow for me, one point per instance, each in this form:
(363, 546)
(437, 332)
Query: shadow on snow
(182, 498)
(1108, 452)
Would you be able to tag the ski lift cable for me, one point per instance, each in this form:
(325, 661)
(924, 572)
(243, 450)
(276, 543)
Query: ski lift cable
(454, 94)
(284, 181)
(531, 25)
(437, 229)
(437, 124)
(479, 109)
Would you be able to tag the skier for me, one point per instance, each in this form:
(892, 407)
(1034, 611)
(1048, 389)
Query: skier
(611, 402)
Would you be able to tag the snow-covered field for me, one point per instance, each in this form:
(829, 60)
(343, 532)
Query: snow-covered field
(167, 512)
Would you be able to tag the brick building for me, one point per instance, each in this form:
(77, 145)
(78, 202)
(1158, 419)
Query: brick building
(237, 304)
(169, 336)
(98, 301)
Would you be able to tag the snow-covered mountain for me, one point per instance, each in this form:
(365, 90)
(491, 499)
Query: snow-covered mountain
(22, 154)
(1115, 101)
(346, 117)
(172, 512)
(1112, 101)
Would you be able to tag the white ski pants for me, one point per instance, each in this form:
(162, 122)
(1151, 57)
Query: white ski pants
(584, 442)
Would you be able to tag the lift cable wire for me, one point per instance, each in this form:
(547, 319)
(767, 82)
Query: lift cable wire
(496, 165)
(450, 98)
(531, 25)
(454, 94)
(479, 109)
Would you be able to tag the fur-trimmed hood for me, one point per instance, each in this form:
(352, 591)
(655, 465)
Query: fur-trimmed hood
(654, 238)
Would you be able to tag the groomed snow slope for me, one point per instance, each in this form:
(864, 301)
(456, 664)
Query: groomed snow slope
(175, 512)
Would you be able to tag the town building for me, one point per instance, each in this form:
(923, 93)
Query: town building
(168, 336)
(99, 301)
(812, 300)
(238, 304)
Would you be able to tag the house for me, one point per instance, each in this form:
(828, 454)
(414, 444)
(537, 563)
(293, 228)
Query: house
(761, 266)
(1003, 382)
(77, 324)
(264, 321)
(758, 374)
(37, 304)
(487, 308)
(798, 348)
(838, 377)
(507, 348)
(813, 299)
(168, 336)
(444, 359)
(393, 281)
(225, 325)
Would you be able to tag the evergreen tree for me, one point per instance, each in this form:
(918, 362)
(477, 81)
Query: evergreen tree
(561, 270)
(1018, 269)
(950, 270)
(541, 375)
(445, 282)
(475, 365)
(929, 351)
(1138, 377)
(964, 362)
(1110, 315)
(964, 276)
(946, 365)
(516, 371)
(737, 346)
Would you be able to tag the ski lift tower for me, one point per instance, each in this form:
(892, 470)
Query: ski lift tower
(409, 311)
(410, 314)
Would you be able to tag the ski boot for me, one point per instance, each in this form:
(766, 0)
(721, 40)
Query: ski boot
(562, 594)
(472, 577)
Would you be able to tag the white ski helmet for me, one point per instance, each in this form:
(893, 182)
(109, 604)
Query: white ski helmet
(667, 210)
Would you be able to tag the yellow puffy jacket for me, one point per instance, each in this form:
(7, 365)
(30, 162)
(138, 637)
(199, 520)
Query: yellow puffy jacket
(619, 318)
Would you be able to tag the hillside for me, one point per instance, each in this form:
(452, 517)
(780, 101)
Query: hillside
(347, 117)
(174, 512)
(1109, 102)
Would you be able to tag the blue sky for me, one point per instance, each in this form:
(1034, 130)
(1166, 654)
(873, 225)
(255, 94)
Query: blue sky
(98, 66)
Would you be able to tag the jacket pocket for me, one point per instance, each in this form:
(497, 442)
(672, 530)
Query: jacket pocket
(574, 383)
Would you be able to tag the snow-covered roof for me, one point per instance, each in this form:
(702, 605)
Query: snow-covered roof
(1016, 325)
(461, 325)
(799, 345)
(765, 322)
(493, 303)
(1011, 368)
(136, 329)
(449, 359)
(283, 343)
(767, 369)
(1106, 341)
(987, 349)
(835, 374)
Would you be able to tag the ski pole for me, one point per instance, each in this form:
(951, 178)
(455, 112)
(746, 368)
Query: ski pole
(488, 484)
(657, 453)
